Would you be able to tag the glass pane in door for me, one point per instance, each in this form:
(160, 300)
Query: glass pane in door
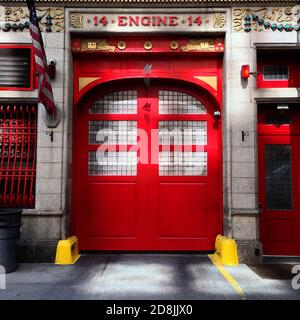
(278, 176)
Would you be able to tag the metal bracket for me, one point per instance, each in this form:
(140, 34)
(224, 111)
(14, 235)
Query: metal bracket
(244, 134)
(50, 134)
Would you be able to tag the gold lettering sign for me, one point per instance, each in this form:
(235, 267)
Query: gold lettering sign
(96, 45)
(199, 45)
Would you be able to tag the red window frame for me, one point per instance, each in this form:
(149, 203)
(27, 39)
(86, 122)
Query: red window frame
(288, 59)
(15, 46)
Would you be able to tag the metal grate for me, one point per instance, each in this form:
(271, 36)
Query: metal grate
(15, 67)
(182, 163)
(278, 176)
(112, 163)
(112, 132)
(276, 72)
(183, 132)
(122, 102)
(18, 124)
(172, 102)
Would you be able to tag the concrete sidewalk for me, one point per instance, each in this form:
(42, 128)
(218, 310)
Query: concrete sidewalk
(140, 276)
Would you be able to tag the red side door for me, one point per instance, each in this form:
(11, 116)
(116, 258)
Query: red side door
(157, 184)
(279, 179)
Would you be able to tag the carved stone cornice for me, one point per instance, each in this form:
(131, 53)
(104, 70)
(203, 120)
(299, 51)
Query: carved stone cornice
(156, 2)
(13, 18)
(272, 14)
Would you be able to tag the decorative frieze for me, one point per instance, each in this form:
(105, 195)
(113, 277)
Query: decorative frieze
(204, 45)
(272, 14)
(17, 19)
(185, 45)
(187, 2)
(128, 22)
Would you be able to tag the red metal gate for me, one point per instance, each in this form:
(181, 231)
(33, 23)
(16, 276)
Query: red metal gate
(279, 178)
(18, 125)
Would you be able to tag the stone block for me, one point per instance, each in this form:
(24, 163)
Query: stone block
(55, 54)
(244, 169)
(243, 154)
(49, 155)
(249, 252)
(243, 123)
(44, 140)
(244, 227)
(48, 186)
(41, 228)
(244, 201)
(36, 251)
(244, 185)
(50, 202)
(54, 40)
(249, 139)
(240, 40)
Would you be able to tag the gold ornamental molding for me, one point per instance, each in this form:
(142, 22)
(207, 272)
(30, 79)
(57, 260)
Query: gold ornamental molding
(199, 45)
(272, 14)
(219, 20)
(84, 81)
(15, 18)
(204, 45)
(142, 2)
(96, 45)
(76, 20)
(210, 80)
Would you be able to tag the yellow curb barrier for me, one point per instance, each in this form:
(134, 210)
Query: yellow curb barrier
(67, 251)
(226, 250)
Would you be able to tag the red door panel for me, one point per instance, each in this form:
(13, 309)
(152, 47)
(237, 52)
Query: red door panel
(124, 210)
(279, 182)
(159, 188)
(182, 210)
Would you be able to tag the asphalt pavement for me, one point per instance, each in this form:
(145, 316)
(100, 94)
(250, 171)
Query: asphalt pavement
(144, 277)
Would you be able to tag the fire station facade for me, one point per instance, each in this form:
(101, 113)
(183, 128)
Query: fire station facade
(179, 121)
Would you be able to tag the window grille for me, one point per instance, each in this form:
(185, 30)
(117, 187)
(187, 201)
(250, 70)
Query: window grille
(183, 132)
(172, 102)
(276, 72)
(112, 163)
(112, 132)
(182, 163)
(122, 102)
(18, 128)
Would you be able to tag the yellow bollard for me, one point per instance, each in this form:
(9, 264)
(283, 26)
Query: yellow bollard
(67, 251)
(226, 250)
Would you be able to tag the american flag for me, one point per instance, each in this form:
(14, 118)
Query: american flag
(45, 95)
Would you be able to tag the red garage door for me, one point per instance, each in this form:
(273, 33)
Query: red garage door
(147, 173)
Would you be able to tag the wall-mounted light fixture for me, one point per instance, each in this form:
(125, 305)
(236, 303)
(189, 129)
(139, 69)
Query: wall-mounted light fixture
(245, 72)
(217, 114)
(52, 69)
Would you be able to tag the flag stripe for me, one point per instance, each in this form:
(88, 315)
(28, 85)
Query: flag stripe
(45, 94)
